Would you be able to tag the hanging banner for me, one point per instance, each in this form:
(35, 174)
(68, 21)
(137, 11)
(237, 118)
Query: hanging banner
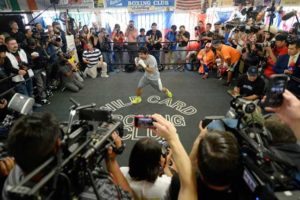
(32, 5)
(224, 3)
(75, 4)
(223, 16)
(289, 2)
(99, 3)
(139, 4)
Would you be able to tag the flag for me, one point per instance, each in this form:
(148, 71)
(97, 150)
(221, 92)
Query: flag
(188, 4)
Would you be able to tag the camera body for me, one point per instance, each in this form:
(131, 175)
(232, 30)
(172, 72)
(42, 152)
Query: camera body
(143, 121)
(266, 172)
(164, 147)
(84, 146)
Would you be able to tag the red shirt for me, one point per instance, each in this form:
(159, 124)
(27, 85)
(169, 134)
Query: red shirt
(270, 64)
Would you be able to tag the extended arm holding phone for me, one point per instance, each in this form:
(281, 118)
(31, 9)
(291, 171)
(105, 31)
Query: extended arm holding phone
(289, 112)
(182, 161)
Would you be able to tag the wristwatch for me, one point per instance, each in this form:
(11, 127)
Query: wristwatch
(120, 149)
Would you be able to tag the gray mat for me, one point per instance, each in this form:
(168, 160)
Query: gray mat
(193, 99)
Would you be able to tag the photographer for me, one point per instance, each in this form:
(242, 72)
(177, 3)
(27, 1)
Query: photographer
(37, 60)
(215, 160)
(131, 33)
(289, 64)
(147, 172)
(68, 76)
(218, 32)
(250, 86)
(167, 130)
(34, 139)
(141, 38)
(154, 38)
(182, 38)
(118, 47)
(288, 112)
(15, 32)
(284, 142)
(19, 66)
(273, 53)
(62, 35)
(199, 29)
(104, 45)
(170, 47)
(238, 38)
(93, 58)
(206, 36)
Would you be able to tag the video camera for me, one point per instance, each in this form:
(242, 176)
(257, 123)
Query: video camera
(267, 174)
(84, 145)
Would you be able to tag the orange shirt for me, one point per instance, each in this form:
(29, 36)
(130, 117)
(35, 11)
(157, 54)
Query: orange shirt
(207, 57)
(230, 53)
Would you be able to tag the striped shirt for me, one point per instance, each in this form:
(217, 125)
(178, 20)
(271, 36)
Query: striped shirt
(92, 56)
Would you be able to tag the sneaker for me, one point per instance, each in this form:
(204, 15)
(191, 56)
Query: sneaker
(49, 93)
(205, 76)
(104, 76)
(171, 67)
(136, 100)
(169, 94)
(37, 105)
(44, 102)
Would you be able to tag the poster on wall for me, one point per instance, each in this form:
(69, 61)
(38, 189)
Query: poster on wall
(75, 4)
(140, 4)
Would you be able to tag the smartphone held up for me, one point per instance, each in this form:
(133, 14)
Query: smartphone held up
(276, 88)
(142, 121)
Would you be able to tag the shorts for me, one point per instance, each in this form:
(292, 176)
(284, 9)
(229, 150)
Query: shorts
(156, 84)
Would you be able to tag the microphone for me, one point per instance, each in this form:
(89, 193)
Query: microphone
(289, 15)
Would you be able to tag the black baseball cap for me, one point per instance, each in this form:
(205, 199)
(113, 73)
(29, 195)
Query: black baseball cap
(281, 37)
(252, 71)
(216, 42)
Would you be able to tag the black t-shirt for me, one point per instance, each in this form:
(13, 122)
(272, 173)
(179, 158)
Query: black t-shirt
(184, 43)
(19, 36)
(238, 191)
(207, 34)
(248, 88)
(154, 36)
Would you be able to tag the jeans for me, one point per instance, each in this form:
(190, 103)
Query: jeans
(25, 87)
(118, 59)
(132, 52)
(40, 82)
(107, 59)
(74, 86)
(156, 54)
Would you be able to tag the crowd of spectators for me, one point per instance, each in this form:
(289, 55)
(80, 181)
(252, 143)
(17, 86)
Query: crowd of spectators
(37, 61)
